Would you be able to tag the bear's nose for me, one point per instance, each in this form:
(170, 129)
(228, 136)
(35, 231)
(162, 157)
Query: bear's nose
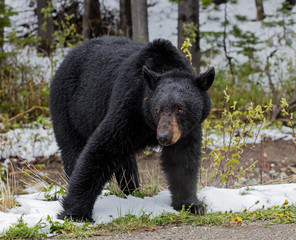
(164, 138)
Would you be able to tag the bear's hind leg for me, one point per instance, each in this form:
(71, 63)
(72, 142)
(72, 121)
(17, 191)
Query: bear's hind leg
(70, 143)
(70, 155)
(127, 176)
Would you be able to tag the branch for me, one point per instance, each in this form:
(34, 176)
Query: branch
(284, 120)
(1, 117)
(271, 84)
(229, 58)
(27, 111)
(292, 103)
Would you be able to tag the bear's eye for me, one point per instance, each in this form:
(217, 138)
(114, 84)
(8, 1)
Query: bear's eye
(158, 110)
(179, 110)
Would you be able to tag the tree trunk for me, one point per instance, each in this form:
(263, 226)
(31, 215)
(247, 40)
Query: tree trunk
(126, 18)
(188, 12)
(45, 27)
(289, 4)
(2, 5)
(218, 2)
(140, 20)
(92, 22)
(260, 10)
(86, 20)
(95, 17)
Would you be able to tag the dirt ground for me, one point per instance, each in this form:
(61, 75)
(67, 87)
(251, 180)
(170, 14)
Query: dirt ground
(279, 163)
(278, 166)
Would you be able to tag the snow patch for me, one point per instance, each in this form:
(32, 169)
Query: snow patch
(34, 207)
(28, 143)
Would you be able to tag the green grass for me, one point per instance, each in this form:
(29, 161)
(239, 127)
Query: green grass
(279, 214)
(20, 230)
(150, 190)
(69, 229)
(275, 215)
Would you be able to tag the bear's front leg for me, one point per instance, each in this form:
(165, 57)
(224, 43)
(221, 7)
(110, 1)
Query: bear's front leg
(99, 159)
(181, 163)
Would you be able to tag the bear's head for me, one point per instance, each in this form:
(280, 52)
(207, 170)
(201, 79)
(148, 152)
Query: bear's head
(179, 102)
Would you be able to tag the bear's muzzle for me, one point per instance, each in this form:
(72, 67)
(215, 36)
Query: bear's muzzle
(168, 131)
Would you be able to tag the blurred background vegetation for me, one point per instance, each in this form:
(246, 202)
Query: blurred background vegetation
(62, 24)
(250, 87)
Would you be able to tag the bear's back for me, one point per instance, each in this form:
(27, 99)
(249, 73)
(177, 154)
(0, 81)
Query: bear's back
(86, 79)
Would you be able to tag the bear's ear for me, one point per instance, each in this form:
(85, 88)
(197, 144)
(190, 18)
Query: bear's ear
(152, 78)
(205, 80)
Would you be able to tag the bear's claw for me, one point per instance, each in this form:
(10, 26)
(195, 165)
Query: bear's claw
(75, 218)
(197, 209)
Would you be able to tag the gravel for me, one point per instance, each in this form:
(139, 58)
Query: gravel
(256, 230)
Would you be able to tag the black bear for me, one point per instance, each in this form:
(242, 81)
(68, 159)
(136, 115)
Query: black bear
(112, 97)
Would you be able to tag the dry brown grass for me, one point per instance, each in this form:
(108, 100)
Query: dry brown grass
(7, 191)
(151, 188)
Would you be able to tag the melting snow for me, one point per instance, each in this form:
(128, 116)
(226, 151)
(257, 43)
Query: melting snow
(34, 206)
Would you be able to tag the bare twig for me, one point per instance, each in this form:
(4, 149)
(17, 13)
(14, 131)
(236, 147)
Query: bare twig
(277, 108)
(27, 111)
(271, 84)
(262, 165)
(32, 169)
(292, 104)
(1, 117)
(229, 58)
(289, 179)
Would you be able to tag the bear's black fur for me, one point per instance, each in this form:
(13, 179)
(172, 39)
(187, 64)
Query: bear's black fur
(112, 97)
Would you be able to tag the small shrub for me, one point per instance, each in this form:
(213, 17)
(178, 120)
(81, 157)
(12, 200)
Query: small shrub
(53, 193)
(186, 49)
(233, 128)
(290, 115)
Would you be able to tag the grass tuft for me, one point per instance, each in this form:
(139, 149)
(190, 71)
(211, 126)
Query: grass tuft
(7, 200)
(20, 230)
(7, 190)
(69, 229)
(151, 189)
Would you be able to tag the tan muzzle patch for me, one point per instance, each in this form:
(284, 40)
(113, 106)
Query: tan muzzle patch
(168, 131)
(176, 130)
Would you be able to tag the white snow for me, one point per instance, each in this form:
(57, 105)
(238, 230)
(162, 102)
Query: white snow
(34, 207)
(273, 133)
(39, 141)
(237, 200)
(162, 20)
(28, 143)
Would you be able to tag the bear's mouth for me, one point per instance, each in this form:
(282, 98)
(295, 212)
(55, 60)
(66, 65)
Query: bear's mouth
(168, 131)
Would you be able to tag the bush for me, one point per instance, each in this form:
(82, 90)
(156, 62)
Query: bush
(222, 163)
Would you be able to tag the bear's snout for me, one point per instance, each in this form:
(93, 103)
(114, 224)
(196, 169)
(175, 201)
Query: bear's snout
(168, 131)
(164, 138)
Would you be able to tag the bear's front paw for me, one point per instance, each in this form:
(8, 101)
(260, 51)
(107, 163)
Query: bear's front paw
(75, 218)
(198, 208)
(195, 208)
